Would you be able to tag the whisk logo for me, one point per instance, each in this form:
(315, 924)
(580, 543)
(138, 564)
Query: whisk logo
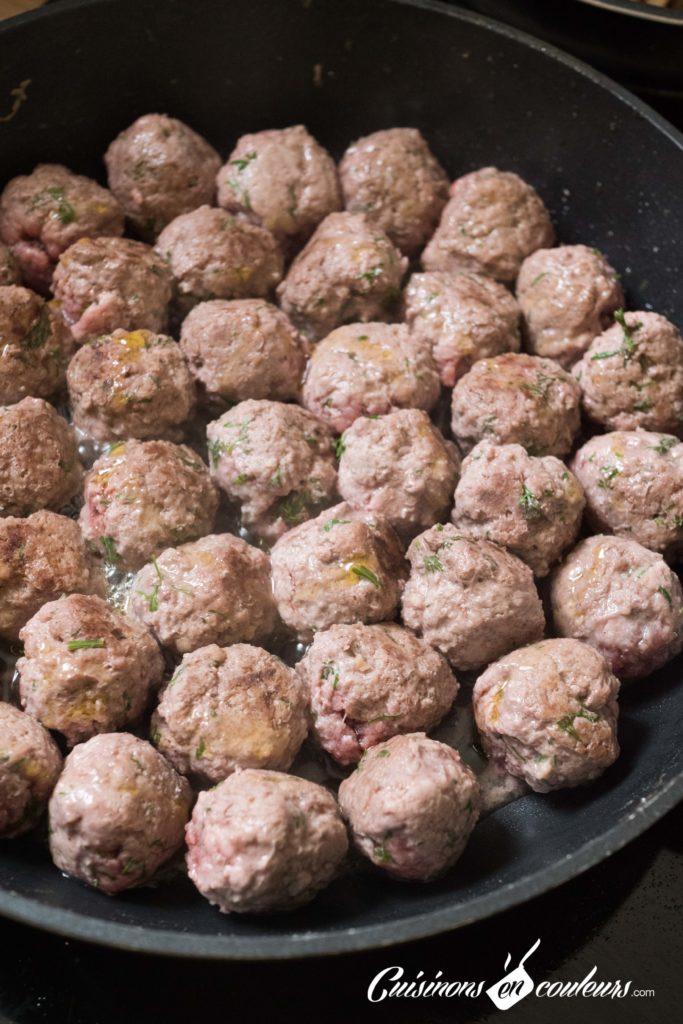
(514, 986)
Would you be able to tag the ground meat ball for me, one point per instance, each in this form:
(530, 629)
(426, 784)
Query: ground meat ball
(399, 467)
(532, 506)
(213, 591)
(118, 812)
(242, 349)
(368, 683)
(9, 268)
(262, 841)
(623, 600)
(284, 178)
(411, 805)
(461, 318)
(471, 600)
(43, 213)
(35, 346)
(368, 370)
(492, 222)
(348, 271)
(568, 296)
(109, 284)
(517, 399)
(547, 714)
(30, 764)
(39, 466)
(143, 497)
(159, 168)
(344, 566)
(275, 461)
(228, 708)
(632, 375)
(130, 384)
(86, 667)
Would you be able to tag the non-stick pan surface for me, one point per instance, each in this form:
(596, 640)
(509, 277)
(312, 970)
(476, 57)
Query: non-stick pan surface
(611, 173)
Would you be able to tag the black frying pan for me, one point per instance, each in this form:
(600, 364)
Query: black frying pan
(611, 172)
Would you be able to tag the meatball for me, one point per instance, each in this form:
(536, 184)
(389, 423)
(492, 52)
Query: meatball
(144, 496)
(41, 557)
(39, 466)
(348, 271)
(30, 764)
(158, 168)
(367, 370)
(461, 318)
(411, 805)
(275, 461)
(394, 178)
(492, 222)
(399, 467)
(36, 346)
(213, 591)
(343, 566)
(567, 296)
(242, 349)
(109, 284)
(623, 600)
(528, 504)
(46, 211)
(9, 268)
(262, 841)
(368, 683)
(118, 812)
(471, 600)
(517, 399)
(547, 714)
(284, 178)
(86, 667)
(632, 375)
(131, 384)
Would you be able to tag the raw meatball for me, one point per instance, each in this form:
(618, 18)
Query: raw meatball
(144, 496)
(262, 841)
(109, 284)
(492, 222)
(547, 714)
(130, 384)
(284, 178)
(623, 600)
(242, 349)
(633, 482)
(517, 399)
(118, 812)
(461, 318)
(228, 708)
(568, 296)
(368, 683)
(86, 667)
(344, 566)
(9, 268)
(213, 255)
(394, 178)
(471, 600)
(213, 591)
(275, 461)
(159, 168)
(367, 370)
(411, 805)
(41, 557)
(348, 271)
(532, 506)
(36, 346)
(632, 375)
(39, 466)
(399, 467)
(46, 211)
(30, 764)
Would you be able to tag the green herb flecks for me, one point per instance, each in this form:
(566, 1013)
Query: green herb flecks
(339, 446)
(294, 508)
(665, 445)
(665, 594)
(39, 331)
(628, 345)
(364, 573)
(608, 475)
(85, 644)
(111, 555)
(331, 523)
(382, 855)
(432, 563)
(65, 212)
(539, 277)
(529, 504)
(371, 275)
(567, 722)
(242, 162)
(330, 671)
(200, 749)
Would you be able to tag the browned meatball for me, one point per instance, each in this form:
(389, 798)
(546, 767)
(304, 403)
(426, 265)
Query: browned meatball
(36, 346)
(30, 764)
(9, 268)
